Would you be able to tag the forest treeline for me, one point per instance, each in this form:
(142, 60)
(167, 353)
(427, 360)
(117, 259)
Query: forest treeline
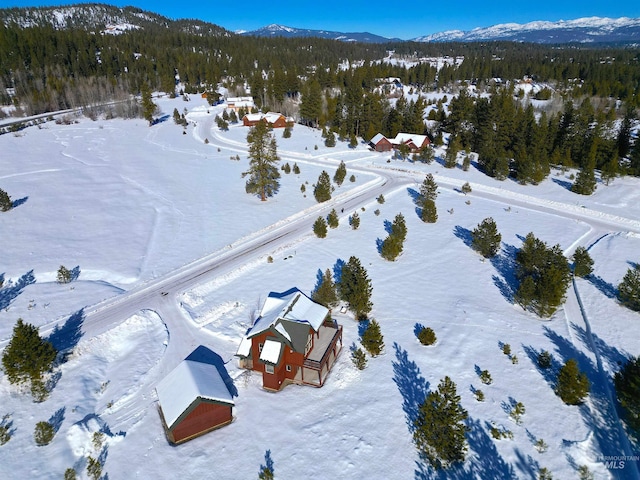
(332, 84)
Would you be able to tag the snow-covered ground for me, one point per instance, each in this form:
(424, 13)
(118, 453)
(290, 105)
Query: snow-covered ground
(129, 205)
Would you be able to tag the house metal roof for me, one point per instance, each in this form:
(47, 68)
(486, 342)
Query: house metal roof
(186, 383)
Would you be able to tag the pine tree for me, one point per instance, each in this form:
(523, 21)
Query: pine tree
(629, 289)
(326, 294)
(486, 238)
(450, 157)
(64, 275)
(358, 358)
(466, 188)
(5, 201)
(572, 384)
(440, 431)
(429, 212)
(296, 169)
(330, 141)
(355, 287)
(263, 173)
(372, 339)
(354, 221)
(429, 188)
(427, 336)
(627, 383)
(322, 189)
(332, 219)
(582, 262)
(393, 245)
(320, 227)
(544, 275)
(43, 433)
(148, 107)
(340, 174)
(27, 356)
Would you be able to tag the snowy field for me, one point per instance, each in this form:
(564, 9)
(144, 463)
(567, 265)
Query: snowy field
(129, 204)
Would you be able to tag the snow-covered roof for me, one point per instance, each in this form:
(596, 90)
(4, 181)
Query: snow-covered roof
(401, 138)
(377, 138)
(270, 117)
(284, 308)
(271, 351)
(186, 383)
(245, 347)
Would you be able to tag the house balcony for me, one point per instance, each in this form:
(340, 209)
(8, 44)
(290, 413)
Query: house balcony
(326, 348)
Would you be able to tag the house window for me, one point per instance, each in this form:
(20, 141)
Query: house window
(288, 368)
(260, 345)
(309, 345)
(268, 368)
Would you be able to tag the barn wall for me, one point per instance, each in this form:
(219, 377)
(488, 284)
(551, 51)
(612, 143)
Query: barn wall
(205, 416)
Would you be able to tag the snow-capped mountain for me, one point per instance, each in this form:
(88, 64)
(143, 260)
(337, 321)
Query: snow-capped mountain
(581, 30)
(107, 19)
(275, 30)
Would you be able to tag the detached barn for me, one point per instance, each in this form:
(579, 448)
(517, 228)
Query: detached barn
(193, 400)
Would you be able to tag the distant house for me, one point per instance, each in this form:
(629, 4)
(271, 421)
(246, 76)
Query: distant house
(274, 120)
(415, 142)
(380, 143)
(294, 340)
(194, 398)
(236, 103)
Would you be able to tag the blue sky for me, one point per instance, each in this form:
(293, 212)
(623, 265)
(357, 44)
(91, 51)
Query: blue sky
(389, 19)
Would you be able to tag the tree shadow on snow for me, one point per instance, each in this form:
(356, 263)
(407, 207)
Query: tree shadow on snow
(505, 263)
(614, 357)
(411, 384)
(204, 355)
(607, 431)
(379, 243)
(482, 460)
(606, 288)
(463, 234)
(337, 270)
(18, 202)
(11, 291)
(563, 183)
(57, 418)
(64, 338)
(550, 373)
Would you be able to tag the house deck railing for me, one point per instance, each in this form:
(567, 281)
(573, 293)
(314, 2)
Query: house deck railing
(317, 364)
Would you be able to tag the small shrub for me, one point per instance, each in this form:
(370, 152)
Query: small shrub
(97, 441)
(544, 359)
(206, 140)
(479, 395)
(380, 199)
(514, 359)
(499, 433)
(70, 474)
(427, 336)
(5, 431)
(43, 433)
(64, 274)
(303, 188)
(269, 259)
(516, 412)
(485, 377)
(376, 212)
(332, 219)
(544, 474)
(296, 169)
(359, 359)
(354, 221)
(541, 446)
(320, 227)
(352, 178)
(94, 468)
(506, 349)
(584, 473)
(466, 188)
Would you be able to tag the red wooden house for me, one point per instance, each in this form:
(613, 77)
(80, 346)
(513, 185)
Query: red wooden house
(193, 400)
(294, 340)
(274, 120)
(415, 142)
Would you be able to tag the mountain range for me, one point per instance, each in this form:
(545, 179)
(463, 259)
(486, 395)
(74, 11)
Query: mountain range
(117, 20)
